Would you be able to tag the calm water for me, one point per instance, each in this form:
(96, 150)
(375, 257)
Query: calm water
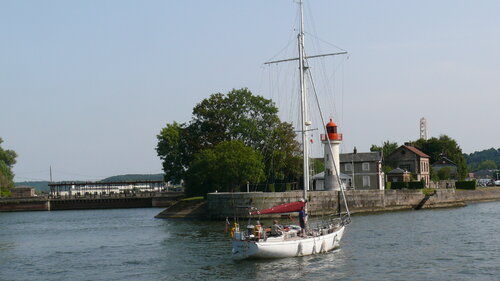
(129, 244)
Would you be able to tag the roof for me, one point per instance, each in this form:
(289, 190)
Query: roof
(321, 176)
(360, 157)
(416, 151)
(397, 171)
(444, 160)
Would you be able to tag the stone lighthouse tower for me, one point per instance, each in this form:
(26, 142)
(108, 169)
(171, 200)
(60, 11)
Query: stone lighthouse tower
(331, 142)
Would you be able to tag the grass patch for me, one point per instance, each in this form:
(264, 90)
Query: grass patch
(428, 191)
(193, 198)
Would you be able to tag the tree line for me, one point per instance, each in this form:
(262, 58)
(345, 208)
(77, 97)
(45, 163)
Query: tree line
(488, 159)
(7, 161)
(237, 138)
(231, 140)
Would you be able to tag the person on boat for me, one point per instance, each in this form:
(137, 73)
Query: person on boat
(302, 221)
(258, 231)
(276, 229)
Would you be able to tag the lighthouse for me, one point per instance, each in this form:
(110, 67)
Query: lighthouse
(331, 142)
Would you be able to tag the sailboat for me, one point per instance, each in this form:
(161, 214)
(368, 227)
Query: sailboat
(294, 240)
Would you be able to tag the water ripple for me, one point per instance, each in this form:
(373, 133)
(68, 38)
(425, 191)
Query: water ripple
(128, 244)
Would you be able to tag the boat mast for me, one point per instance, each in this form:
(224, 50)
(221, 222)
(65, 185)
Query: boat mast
(303, 104)
(303, 68)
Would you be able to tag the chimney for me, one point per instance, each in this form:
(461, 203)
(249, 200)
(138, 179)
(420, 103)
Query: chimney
(355, 150)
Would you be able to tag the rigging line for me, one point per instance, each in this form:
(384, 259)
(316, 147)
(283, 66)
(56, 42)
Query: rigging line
(326, 42)
(291, 36)
(311, 18)
(331, 87)
(324, 128)
(283, 49)
(342, 76)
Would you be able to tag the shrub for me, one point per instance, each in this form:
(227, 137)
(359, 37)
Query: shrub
(416, 185)
(399, 185)
(466, 184)
(409, 185)
(388, 185)
(271, 187)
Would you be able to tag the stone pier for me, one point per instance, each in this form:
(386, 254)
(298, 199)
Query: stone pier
(221, 205)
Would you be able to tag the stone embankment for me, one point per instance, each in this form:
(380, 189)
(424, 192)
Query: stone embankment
(163, 199)
(185, 209)
(222, 205)
(484, 194)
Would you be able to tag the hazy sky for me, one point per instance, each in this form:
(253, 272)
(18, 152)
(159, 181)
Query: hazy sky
(85, 86)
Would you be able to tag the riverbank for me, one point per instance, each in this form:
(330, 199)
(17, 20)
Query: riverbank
(164, 199)
(220, 205)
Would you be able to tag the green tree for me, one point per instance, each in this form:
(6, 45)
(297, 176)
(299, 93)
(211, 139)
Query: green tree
(487, 165)
(226, 167)
(387, 148)
(238, 115)
(318, 165)
(444, 145)
(7, 161)
(444, 173)
(169, 149)
(475, 159)
(281, 153)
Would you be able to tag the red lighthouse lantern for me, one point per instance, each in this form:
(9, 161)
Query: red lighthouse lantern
(331, 129)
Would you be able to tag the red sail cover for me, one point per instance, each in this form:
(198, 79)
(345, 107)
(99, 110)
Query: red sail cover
(283, 208)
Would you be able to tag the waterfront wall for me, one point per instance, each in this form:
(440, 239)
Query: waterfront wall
(479, 195)
(78, 203)
(222, 205)
(17, 204)
(99, 203)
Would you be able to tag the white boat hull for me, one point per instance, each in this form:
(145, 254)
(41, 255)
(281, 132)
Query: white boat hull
(279, 247)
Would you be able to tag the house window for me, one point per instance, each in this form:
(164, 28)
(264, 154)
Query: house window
(366, 166)
(348, 167)
(366, 181)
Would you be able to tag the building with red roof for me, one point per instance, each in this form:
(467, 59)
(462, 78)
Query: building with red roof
(411, 159)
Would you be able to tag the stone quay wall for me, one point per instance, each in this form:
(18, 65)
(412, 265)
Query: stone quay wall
(479, 195)
(79, 203)
(16, 204)
(222, 205)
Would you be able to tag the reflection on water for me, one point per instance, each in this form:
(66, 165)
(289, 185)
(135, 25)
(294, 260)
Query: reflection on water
(318, 267)
(129, 244)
